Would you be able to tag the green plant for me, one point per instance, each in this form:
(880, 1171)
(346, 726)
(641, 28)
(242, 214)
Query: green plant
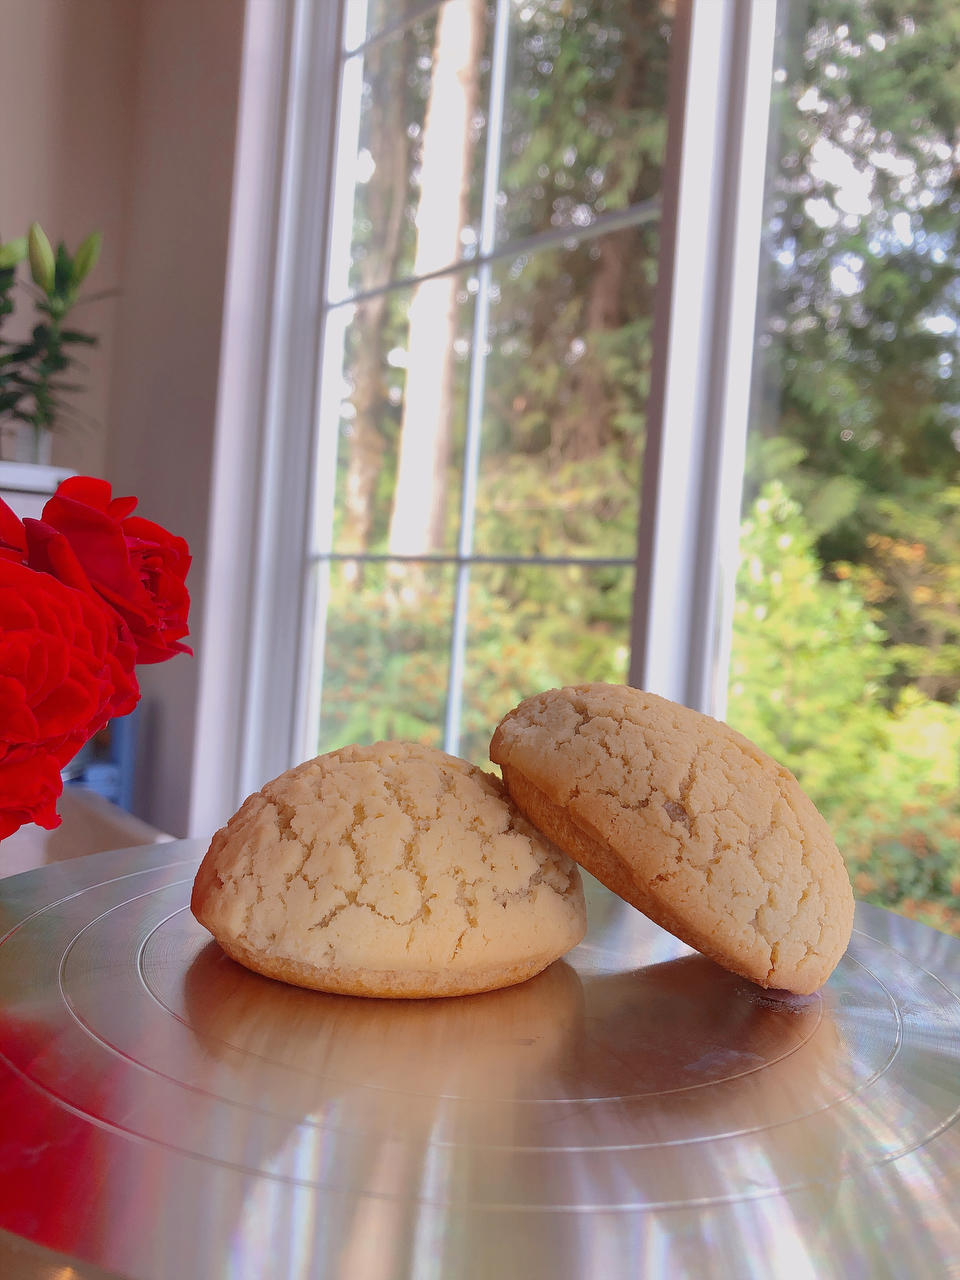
(33, 371)
(11, 255)
(907, 856)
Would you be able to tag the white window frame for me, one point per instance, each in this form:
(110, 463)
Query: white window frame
(270, 471)
(703, 350)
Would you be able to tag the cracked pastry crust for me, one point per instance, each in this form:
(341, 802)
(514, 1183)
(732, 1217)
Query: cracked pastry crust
(391, 870)
(687, 820)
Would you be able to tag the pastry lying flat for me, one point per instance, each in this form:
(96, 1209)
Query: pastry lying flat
(391, 870)
(688, 821)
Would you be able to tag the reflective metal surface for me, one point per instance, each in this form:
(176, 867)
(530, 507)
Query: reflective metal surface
(635, 1110)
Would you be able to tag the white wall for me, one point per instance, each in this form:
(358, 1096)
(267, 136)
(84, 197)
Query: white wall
(68, 71)
(121, 115)
(163, 404)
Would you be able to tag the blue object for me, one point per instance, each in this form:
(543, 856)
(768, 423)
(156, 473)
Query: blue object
(106, 764)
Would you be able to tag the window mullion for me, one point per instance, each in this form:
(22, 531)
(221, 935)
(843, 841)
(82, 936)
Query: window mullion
(478, 365)
(739, 239)
(345, 114)
(274, 718)
(703, 339)
(634, 215)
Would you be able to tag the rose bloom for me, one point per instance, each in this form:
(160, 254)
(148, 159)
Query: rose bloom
(138, 567)
(49, 552)
(65, 669)
(85, 594)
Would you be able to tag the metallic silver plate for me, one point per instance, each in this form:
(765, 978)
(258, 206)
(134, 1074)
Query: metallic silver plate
(634, 1110)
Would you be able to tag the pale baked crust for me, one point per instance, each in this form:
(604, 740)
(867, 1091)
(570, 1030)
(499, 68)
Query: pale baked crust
(390, 870)
(418, 984)
(688, 821)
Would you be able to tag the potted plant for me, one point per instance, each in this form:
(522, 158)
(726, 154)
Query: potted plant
(11, 255)
(34, 371)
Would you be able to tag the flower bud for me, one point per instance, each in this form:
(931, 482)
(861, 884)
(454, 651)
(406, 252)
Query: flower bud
(12, 252)
(42, 264)
(86, 258)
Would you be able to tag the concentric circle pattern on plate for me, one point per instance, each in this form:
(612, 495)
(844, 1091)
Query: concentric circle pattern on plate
(637, 1076)
(662, 1083)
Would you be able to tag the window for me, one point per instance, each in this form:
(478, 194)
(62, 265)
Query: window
(538, 225)
(846, 656)
(463, 429)
(489, 317)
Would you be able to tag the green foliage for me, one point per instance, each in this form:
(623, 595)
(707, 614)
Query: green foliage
(388, 639)
(910, 577)
(11, 255)
(585, 127)
(810, 677)
(808, 663)
(525, 507)
(847, 640)
(810, 684)
(826, 501)
(386, 657)
(32, 372)
(908, 857)
(538, 631)
(856, 351)
(855, 409)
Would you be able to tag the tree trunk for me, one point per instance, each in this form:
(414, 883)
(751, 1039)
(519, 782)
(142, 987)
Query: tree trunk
(589, 433)
(417, 521)
(386, 200)
(603, 308)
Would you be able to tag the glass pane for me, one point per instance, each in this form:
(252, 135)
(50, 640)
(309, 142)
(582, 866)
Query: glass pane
(534, 627)
(402, 419)
(411, 150)
(386, 655)
(566, 392)
(585, 119)
(364, 19)
(846, 655)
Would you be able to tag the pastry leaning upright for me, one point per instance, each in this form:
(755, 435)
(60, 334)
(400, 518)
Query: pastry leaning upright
(687, 820)
(389, 870)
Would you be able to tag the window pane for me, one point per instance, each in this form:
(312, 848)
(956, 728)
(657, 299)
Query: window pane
(534, 627)
(386, 655)
(400, 450)
(411, 151)
(510, 392)
(846, 657)
(364, 19)
(566, 390)
(585, 122)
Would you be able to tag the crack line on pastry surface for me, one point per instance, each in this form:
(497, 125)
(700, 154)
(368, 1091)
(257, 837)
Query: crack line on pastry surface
(282, 811)
(733, 764)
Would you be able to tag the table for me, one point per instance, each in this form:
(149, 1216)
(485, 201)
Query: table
(635, 1110)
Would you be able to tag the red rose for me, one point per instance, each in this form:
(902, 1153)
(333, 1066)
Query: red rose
(49, 552)
(61, 653)
(136, 566)
(30, 786)
(13, 542)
